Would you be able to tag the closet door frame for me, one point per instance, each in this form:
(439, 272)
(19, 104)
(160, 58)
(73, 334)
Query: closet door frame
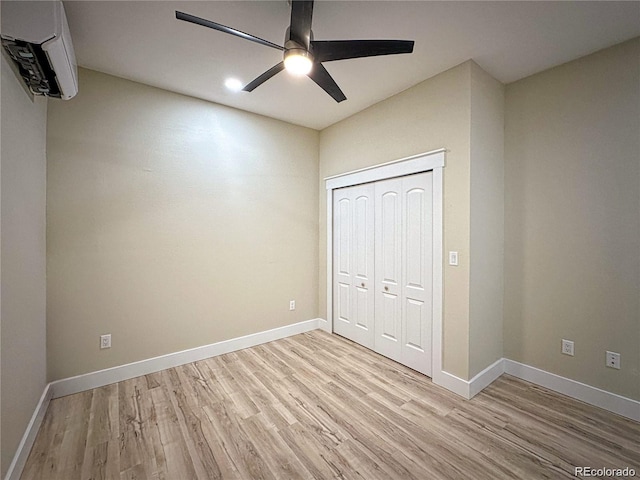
(424, 162)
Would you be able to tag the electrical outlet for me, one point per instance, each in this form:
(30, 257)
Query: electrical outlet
(105, 341)
(613, 360)
(292, 305)
(567, 347)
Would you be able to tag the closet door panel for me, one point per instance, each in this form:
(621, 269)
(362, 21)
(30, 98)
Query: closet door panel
(417, 234)
(363, 255)
(388, 325)
(342, 240)
(388, 268)
(354, 263)
(362, 236)
(414, 314)
(343, 299)
(342, 261)
(389, 245)
(414, 239)
(362, 310)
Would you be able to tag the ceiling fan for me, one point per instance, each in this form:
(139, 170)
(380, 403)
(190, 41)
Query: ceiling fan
(303, 55)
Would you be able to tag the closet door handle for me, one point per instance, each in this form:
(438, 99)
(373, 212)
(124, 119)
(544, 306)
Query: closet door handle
(362, 284)
(386, 288)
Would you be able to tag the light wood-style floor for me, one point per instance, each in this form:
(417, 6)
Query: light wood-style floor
(318, 406)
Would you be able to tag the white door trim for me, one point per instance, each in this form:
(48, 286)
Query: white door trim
(424, 162)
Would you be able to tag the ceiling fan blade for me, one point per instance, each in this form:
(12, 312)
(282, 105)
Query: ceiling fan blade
(300, 28)
(320, 75)
(251, 86)
(221, 28)
(330, 50)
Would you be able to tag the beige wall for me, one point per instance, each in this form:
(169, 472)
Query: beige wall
(487, 221)
(22, 258)
(172, 223)
(572, 221)
(428, 116)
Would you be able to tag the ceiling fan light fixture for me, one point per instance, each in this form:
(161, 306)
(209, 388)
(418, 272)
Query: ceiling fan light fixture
(233, 84)
(298, 61)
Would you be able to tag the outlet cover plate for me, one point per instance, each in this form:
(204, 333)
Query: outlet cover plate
(613, 360)
(567, 347)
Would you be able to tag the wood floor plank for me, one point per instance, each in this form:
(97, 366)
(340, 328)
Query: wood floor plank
(101, 458)
(347, 426)
(233, 386)
(154, 380)
(265, 352)
(133, 454)
(428, 450)
(509, 457)
(275, 452)
(318, 406)
(43, 459)
(237, 443)
(170, 450)
(319, 460)
(74, 439)
(187, 410)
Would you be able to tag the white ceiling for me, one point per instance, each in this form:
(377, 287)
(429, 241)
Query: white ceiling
(143, 41)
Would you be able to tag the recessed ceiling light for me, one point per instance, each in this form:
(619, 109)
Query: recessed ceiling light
(233, 84)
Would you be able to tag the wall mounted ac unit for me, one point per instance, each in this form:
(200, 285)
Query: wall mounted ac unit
(36, 36)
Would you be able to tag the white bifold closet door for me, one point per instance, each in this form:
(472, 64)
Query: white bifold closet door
(383, 235)
(354, 263)
(403, 263)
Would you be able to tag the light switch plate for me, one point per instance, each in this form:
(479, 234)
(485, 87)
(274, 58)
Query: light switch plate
(453, 258)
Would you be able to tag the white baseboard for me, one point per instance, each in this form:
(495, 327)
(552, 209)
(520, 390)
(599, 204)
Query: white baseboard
(29, 437)
(612, 402)
(80, 383)
(586, 393)
(452, 383)
(486, 377)
(323, 324)
(470, 388)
